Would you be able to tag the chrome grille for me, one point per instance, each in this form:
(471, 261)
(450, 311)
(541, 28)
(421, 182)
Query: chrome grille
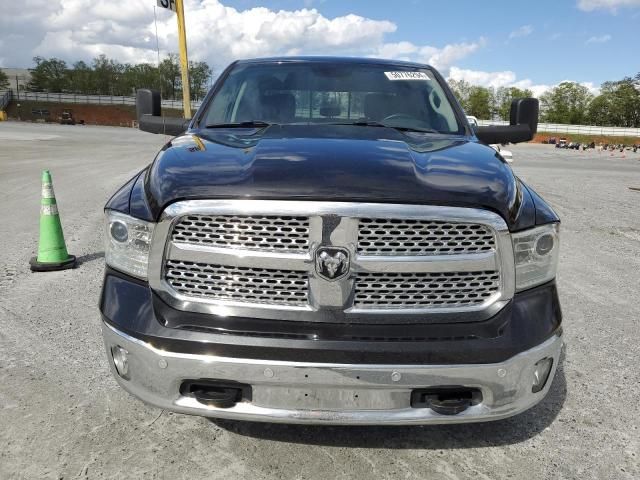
(255, 232)
(238, 284)
(258, 258)
(419, 290)
(382, 236)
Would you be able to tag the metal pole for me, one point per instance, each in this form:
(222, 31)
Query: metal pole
(17, 87)
(184, 60)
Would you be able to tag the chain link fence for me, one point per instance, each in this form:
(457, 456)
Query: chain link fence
(5, 98)
(559, 128)
(92, 99)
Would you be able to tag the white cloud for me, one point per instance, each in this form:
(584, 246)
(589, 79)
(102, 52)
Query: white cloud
(74, 29)
(599, 39)
(506, 78)
(443, 58)
(593, 88)
(400, 50)
(484, 79)
(611, 5)
(523, 31)
(83, 29)
(440, 58)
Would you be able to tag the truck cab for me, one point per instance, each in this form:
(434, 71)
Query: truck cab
(328, 241)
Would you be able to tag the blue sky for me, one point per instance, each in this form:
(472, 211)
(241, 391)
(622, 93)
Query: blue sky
(492, 43)
(557, 48)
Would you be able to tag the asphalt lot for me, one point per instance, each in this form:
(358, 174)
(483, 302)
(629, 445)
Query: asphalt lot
(63, 416)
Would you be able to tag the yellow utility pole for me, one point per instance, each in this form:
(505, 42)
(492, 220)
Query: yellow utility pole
(184, 59)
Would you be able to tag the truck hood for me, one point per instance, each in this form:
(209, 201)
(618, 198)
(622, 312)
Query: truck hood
(335, 163)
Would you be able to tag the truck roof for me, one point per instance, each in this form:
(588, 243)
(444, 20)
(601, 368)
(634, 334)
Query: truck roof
(336, 60)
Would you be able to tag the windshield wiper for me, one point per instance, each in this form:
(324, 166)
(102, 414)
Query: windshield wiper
(248, 124)
(380, 124)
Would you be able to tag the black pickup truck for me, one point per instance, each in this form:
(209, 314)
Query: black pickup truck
(329, 241)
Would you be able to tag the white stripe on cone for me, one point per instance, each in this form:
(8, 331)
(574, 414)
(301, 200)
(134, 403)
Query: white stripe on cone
(47, 191)
(49, 209)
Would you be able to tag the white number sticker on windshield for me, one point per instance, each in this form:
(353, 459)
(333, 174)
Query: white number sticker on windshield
(407, 76)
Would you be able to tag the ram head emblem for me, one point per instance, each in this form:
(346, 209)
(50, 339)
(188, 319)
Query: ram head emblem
(332, 263)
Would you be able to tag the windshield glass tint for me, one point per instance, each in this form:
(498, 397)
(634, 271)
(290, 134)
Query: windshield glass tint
(317, 93)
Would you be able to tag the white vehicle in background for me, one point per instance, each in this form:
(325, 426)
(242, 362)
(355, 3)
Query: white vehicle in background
(506, 154)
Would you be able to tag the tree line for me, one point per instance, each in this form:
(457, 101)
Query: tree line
(106, 76)
(617, 104)
(486, 103)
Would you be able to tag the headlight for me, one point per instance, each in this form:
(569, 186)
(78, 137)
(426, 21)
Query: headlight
(128, 241)
(536, 255)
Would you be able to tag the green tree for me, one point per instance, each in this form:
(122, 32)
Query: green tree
(170, 76)
(474, 100)
(461, 89)
(503, 98)
(617, 105)
(199, 76)
(566, 103)
(479, 103)
(4, 81)
(142, 75)
(81, 78)
(600, 111)
(49, 75)
(108, 75)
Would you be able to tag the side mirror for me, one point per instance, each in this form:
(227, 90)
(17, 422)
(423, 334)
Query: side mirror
(523, 124)
(149, 113)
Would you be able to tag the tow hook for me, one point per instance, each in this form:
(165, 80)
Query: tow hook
(446, 400)
(216, 394)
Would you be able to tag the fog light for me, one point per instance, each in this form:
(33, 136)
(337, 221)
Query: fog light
(120, 361)
(541, 374)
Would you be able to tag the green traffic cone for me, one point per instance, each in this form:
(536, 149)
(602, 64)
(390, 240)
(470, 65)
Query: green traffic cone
(52, 251)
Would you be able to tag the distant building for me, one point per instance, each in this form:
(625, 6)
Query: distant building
(18, 77)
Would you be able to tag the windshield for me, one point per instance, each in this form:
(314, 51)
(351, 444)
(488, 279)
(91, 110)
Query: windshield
(322, 93)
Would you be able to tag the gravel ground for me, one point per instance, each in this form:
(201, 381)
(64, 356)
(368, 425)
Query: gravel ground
(63, 416)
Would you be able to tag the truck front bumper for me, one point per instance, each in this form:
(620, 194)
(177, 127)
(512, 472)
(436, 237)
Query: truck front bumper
(324, 393)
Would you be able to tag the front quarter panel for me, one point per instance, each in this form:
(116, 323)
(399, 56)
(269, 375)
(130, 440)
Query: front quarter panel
(119, 201)
(139, 204)
(544, 213)
(524, 210)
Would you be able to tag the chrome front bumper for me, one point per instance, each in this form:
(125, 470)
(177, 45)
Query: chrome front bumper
(292, 392)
